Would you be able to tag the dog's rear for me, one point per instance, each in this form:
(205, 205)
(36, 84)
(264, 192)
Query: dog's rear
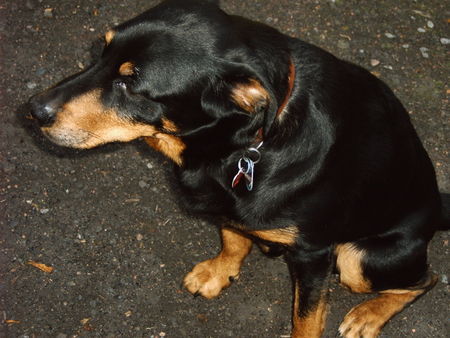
(330, 167)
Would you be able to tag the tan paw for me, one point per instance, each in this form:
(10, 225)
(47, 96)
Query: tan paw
(208, 278)
(361, 322)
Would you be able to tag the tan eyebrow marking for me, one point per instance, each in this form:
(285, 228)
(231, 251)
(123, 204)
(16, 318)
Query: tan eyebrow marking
(109, 36)
(126, 68)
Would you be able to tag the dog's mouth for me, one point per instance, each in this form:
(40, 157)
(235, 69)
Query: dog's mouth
(72, 138)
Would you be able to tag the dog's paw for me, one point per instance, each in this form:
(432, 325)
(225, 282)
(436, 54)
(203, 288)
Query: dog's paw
(208, 278)
(362, 322)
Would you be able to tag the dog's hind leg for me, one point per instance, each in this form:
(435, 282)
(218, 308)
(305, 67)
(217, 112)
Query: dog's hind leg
(310, 271)
(208, 278)
(392, 265)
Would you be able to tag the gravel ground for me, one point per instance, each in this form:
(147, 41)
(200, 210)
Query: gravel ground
(108, 220)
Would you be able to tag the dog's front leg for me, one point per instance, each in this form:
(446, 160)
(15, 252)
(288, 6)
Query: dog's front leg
(310, 271)
(208, 278)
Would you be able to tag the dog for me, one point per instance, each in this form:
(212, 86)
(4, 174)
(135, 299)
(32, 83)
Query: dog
(307, 155)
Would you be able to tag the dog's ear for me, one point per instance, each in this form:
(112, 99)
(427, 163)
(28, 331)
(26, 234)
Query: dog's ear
(239, 93)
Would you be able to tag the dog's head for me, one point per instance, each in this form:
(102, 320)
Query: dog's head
(181, 69)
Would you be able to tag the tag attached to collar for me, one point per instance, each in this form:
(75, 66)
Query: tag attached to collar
(246, 167)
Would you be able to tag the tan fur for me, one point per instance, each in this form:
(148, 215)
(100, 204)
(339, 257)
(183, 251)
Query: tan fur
(349, 263)
(126, 68)
(208, 278)
(109, 35)
(169, 125)
(313, 324)
(286, 236)
(249, 95)
(367, 319)
(169, 145)
(84, 122)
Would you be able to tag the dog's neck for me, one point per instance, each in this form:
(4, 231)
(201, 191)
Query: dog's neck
(246, 162)
(282, 106)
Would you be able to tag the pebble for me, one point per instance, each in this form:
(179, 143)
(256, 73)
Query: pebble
(374, 62)
(44, 211)
(139, 237)
(444, 279)
(149, 166)
(48, 12)
(143, 184)
(389, 35)
(424, 52)
(31, 85)
(430, 24)
(41, 71)
(343, 44)
(421, 30)
(445, 41)
(30, 4)
(406, 46)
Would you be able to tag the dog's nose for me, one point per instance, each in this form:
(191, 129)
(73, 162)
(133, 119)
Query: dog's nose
(43, 112)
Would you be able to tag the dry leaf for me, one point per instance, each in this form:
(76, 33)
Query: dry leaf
(84, 321)
(41, 266)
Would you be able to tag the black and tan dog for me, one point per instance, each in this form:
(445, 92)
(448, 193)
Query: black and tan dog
(305, 154)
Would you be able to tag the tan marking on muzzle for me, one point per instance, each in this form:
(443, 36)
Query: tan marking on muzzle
(84, 122)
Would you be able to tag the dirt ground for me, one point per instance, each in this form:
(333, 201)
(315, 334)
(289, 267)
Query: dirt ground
(108, 220)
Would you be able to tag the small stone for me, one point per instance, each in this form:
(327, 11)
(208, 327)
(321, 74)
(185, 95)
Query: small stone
(389, 35)
(30, 4)
(421, 30)
(143, 184)
(41, 71)
(149, 166)
(444, 279)
(343, 44)
(31, 85)
(44, 211)
(128, 313)
(430, 24)
(406, 46)
(424, 52)
(445, 41)
(139, 237)
(48, 12)
(374, 62)
(71, 283)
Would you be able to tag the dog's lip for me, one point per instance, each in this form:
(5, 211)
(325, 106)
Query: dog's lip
(67, 138)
